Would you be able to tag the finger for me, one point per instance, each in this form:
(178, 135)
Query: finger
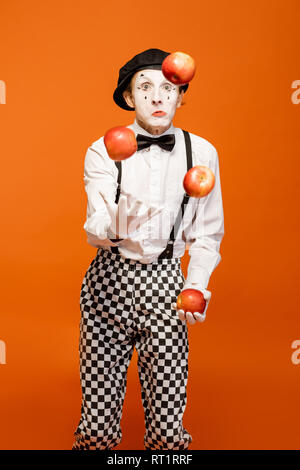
(139, 209)
(199, 316)
(174, 305)
(136, 210)
(121, 217)
(147, 215)
(128, 196)
(207, 294)
(125, 193)
(181, 315)
(136, 202)
(121, 211)
(190, 318)
(155, 210)
(151, 211)
(122, 198)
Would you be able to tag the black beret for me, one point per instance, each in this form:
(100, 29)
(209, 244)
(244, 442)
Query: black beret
(149, 59)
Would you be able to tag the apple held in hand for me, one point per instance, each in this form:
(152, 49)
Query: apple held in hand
(191, 300)
(179, 68)
(120, 143)
(199, 181)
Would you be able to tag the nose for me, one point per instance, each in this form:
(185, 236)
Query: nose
(156, 96)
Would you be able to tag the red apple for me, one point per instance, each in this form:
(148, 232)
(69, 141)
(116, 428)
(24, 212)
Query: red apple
(199, 181)
(179, 68)
(191, 300)
(120, 143)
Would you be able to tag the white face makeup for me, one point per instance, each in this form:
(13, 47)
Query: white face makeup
(151, 93)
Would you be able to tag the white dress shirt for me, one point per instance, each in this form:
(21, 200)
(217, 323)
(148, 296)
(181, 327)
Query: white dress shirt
(155, 176)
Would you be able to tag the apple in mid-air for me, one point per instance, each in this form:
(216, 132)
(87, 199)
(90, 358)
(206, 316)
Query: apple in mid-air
(199, 181)
(191, 300)
(179, 68)
(120, 143)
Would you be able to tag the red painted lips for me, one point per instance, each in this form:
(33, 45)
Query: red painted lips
(159, 113)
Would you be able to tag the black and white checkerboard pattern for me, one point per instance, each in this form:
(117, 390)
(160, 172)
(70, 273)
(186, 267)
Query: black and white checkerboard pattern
(126, 304)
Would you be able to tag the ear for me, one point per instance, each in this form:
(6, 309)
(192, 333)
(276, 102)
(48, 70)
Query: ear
(128, 98)
(179, 99)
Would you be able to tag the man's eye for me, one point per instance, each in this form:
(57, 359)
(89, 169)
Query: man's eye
(147, 86)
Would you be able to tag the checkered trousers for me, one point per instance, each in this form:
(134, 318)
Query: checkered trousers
(126, 304)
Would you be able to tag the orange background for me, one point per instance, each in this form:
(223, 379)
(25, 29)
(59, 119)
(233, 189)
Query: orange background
(60, 62)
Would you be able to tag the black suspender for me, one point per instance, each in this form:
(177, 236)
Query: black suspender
(119, 166)
(168, 251)
(115, 249)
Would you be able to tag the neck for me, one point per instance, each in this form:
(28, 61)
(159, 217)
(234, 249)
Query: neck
(154, 130)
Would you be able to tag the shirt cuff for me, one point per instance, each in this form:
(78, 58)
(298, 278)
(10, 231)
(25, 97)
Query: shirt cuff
(193, 285)
(197, 276)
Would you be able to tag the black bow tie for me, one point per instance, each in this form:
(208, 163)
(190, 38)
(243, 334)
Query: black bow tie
(166, 142)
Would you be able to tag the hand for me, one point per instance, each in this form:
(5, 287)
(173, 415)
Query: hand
(190, 317)
(129, 214)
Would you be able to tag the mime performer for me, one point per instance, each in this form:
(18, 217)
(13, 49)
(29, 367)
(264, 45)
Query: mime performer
(141, 221)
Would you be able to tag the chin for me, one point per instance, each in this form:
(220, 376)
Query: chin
(159, 121)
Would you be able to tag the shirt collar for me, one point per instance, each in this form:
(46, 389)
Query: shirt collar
(139, 130)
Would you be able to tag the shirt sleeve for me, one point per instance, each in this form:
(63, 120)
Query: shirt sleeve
(100, 175)
(205, 234)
